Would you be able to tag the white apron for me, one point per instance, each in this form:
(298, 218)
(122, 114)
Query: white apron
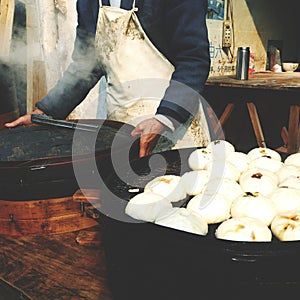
(137, 74)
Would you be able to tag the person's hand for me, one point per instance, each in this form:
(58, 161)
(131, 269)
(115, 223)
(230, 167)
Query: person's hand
(149, 131)
(23, 120)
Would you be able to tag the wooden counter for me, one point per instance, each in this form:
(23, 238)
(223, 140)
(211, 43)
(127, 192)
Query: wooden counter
(262, 80)
(269, 82)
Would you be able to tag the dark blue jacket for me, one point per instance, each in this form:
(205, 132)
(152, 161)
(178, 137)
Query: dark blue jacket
(176, 27)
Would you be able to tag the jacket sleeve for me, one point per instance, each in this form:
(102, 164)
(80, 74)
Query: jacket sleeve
(79, 78)
(187, 36)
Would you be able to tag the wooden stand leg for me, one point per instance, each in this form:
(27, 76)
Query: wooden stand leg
(293, 140)
(256, 125)
(218, 125)
(224, 117)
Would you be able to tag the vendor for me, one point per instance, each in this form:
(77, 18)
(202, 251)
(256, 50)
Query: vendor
(154, 55)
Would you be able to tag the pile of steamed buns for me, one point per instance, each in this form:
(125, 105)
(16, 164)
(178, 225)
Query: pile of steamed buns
(250, 196)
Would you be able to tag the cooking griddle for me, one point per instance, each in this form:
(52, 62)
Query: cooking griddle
(44, 141)
(37, 161)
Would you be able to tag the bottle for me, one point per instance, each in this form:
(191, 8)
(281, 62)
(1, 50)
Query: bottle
(242, 63)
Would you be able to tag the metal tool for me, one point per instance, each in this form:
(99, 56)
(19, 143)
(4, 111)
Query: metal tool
(44, 119)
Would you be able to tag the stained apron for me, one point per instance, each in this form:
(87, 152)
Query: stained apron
(138, 75)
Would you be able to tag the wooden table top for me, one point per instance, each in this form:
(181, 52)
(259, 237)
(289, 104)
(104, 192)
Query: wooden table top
(261, 80)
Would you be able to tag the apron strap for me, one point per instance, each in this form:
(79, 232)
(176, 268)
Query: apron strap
(133, 5)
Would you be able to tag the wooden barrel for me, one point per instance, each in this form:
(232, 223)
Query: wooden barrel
(9, 109)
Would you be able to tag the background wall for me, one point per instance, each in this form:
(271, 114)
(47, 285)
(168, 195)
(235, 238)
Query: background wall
(255, 24)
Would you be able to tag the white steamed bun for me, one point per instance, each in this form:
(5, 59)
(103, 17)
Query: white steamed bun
(244, 229)
(147, 206)
(199, 158)
(293, 159)
(286, 199)
(220, 148)
(286, 226)
(194, 181)
(169, 186)
(260, 151)
(183, 219)
(258, 181)
(239, 159)
(214, 208)
(254, 206)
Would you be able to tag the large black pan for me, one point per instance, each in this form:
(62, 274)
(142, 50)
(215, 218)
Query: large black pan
(36, 162)
(147, 261)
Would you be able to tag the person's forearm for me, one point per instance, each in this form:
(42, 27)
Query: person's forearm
(82, 75)
(186, 28)
(70, 90)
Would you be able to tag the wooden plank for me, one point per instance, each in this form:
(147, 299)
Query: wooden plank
(256, 125)
(39, 81)
(7, 9)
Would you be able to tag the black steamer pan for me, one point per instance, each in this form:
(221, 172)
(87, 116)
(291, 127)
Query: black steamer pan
(36, 161)
(147, 261)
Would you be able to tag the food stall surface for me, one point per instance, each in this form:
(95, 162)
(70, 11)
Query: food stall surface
(52, 267)
(272, 101)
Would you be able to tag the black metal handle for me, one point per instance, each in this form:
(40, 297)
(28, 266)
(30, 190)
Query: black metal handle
(44, 119)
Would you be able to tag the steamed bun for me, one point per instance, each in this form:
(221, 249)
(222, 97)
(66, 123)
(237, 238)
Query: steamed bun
(286, 199)
(220, 148)
(254, 206)
(214, 208)
(228, 187)
(286, 226)
(199, 158)
(194, 181)
(260, 151)
(169, 186)
(147, 206)
(222, 169)
(266, 162)
(291, 182)
(240, 160)
(258, 181)
(293, 159)
(244, 229)
(183, 219)
(287, 171)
